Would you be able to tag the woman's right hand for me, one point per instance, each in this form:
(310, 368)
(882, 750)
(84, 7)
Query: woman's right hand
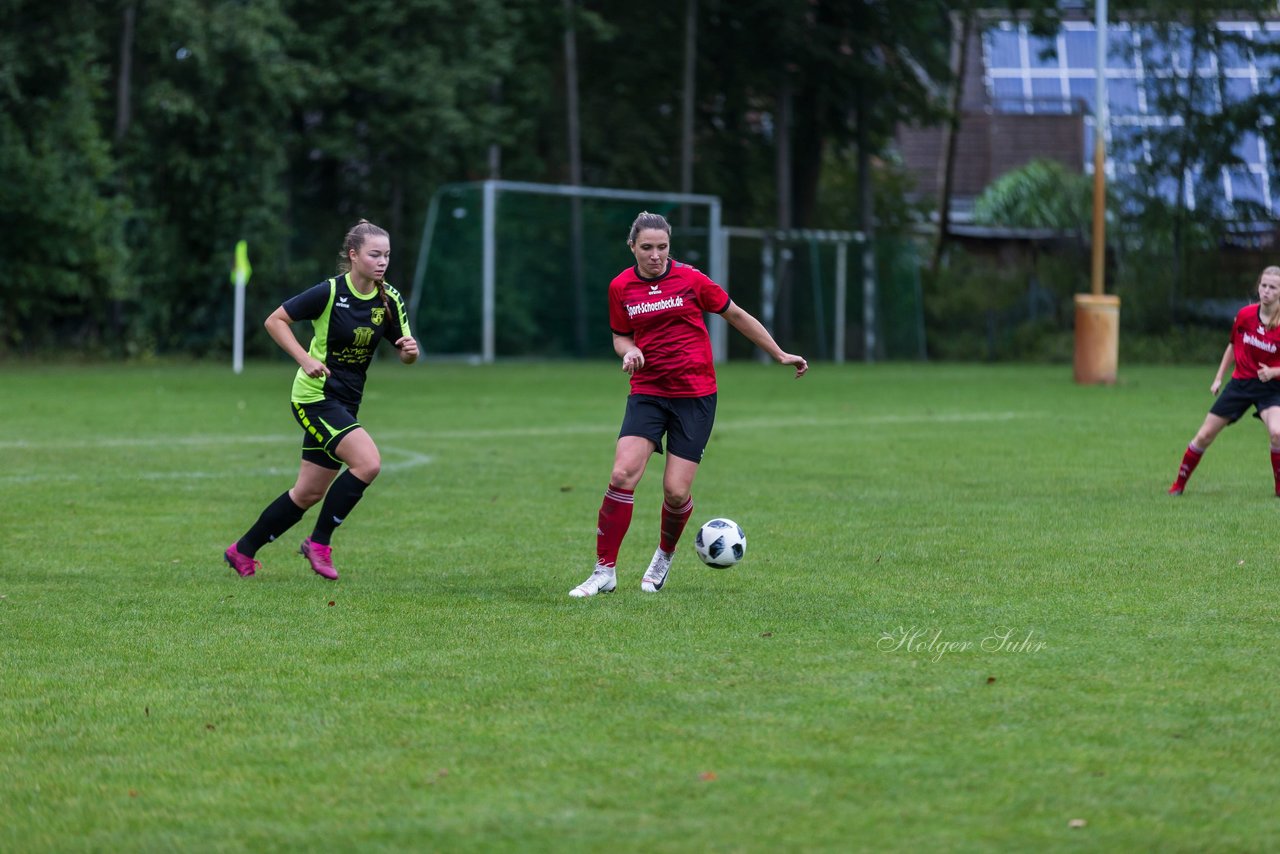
(1213, 389)
(633, 361)
(314, 368)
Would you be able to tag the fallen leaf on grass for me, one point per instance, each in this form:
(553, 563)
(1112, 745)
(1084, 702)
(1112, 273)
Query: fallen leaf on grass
(210, 727)
(330, 603)
(990, 679)
(707, 776)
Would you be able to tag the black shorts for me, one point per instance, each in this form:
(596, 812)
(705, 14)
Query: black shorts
(324, 423)
(1239, 395)
(686, 421)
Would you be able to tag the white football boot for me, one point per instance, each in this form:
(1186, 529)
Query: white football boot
(656, 575)
(603, 580)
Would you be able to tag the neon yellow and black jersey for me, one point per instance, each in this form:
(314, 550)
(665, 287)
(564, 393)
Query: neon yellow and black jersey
(348, 326)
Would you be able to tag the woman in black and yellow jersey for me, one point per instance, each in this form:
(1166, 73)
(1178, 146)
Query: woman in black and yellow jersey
(350, 314)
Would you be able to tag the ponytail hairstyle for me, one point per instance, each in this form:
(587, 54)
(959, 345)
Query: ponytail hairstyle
(355, 238)
(648, 220)
(1275, 318)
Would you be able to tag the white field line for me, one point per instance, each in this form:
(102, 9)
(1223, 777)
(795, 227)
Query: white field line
(507, 432)
(399, 458)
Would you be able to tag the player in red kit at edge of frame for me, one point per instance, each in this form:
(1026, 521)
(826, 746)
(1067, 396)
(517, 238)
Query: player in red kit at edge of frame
(1255, 347)
(655, 312)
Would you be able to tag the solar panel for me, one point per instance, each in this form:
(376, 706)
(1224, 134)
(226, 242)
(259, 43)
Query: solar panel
(1146, 65)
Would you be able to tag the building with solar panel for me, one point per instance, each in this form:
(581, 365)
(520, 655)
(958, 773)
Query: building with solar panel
(1028, 96)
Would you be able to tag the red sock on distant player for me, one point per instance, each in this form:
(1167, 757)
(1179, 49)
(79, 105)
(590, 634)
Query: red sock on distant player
(1190, 460)
(614, 519)
(1275, 467)
(673, 521)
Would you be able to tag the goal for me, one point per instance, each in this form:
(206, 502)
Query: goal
(516, 269)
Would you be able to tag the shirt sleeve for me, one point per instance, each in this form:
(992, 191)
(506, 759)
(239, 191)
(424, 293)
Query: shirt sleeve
(619, 322)
(710, 296)
(309, 304)
(401, 320)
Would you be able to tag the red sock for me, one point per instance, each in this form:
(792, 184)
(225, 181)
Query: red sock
(1190, 460)
(611, 527)
(673, 521)
(1275, 467)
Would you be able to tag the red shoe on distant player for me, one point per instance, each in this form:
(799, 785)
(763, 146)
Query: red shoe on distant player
(242, 564)
(320, 558)
(1177, 488)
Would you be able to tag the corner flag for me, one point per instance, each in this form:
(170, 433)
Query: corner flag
(242, 266)
(239, 277)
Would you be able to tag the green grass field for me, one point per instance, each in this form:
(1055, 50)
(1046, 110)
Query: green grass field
(969, 619)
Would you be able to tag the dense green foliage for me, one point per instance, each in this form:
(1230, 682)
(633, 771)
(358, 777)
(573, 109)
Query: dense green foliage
(1041, 194)
(142, 139)
(445, 694)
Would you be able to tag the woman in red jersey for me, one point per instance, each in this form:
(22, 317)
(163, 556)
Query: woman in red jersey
(1255, 347)
(655, 312)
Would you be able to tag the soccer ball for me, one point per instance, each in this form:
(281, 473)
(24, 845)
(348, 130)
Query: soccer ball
(720, 543)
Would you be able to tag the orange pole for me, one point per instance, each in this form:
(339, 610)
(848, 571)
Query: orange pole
(1098, 279)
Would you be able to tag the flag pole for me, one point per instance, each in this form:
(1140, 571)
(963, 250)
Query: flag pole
(240, 277)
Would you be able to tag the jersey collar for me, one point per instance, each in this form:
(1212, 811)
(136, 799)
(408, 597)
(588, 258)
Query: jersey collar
(352, 287)
(667, 272)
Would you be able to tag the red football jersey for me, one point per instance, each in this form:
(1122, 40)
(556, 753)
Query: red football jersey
(1252, 344)
(664, 317)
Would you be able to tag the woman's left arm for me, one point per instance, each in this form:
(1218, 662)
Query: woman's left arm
(755, 332)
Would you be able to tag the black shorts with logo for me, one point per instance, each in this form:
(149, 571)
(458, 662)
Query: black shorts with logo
(324, 423)
(686, 422)
(1239, 395)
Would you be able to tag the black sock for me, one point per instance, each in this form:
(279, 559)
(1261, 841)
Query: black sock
(280, 515)
(343, 496)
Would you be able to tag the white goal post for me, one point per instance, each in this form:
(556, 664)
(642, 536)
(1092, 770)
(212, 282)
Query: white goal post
(770, 239)
(489, 192)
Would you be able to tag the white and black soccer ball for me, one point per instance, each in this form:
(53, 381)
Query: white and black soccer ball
(720, 543)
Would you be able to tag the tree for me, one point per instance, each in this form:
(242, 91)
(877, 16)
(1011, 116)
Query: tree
(60, 215)
(401, 100)
(1040, 194)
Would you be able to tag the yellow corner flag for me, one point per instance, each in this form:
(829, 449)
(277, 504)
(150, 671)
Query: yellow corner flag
(243, 270)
